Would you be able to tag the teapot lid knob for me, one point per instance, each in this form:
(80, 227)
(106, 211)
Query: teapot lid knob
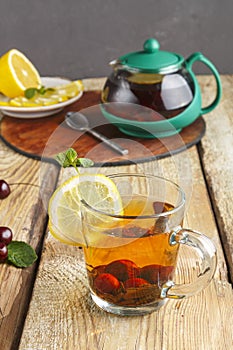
(151, 45)
(152, 59)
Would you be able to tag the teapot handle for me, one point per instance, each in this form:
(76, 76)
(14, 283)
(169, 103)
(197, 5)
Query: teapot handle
(198, 56)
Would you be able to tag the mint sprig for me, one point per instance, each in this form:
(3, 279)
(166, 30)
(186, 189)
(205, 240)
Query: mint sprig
(21, 254)
(70, 158)
(31, 92)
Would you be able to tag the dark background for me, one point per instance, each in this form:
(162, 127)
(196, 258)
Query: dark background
(77, 39)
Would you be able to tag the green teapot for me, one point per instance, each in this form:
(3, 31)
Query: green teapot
(161, 81)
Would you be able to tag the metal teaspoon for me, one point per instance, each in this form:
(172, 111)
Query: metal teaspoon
(78, 121)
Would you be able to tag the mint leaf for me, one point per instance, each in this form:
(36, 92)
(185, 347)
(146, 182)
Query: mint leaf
(21, 254)
(71, 155)
(61, 159)
(85, 162)
(67, 158)
(70, 158)
(30, 92)
(42, 90)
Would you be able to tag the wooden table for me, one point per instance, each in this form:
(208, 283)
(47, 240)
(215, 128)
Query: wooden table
(47, 306)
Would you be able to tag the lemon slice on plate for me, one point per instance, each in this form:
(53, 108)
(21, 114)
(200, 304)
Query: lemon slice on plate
(64, 210)
(69, 90)
(53, 95)
(38, 101)
(17, 74)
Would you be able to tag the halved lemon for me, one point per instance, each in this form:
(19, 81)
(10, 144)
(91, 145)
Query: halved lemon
(64, 210)
(17, 74)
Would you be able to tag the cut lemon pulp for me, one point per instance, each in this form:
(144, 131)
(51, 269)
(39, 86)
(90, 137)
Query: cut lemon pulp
(65, 207)
(17, 74)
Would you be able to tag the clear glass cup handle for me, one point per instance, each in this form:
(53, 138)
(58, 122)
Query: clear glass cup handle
(207, 253)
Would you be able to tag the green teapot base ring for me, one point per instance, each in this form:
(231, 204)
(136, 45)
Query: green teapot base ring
(148, 135)
(146, 130)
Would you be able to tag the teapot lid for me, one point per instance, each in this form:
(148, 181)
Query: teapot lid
(151, 59)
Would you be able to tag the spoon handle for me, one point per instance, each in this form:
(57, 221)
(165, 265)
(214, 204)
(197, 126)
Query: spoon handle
(109, 142)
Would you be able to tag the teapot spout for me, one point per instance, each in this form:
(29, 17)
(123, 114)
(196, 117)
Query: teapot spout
(115, 63)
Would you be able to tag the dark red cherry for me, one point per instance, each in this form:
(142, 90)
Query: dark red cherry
(135, 282)
(107, 283)
(5, 235)
(3, 251)
(4, 189)
(122, 269)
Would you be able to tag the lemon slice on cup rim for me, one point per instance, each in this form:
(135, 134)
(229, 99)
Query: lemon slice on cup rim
(97, 190)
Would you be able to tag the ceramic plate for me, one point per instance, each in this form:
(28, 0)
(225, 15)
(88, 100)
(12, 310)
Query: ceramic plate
(41, 111)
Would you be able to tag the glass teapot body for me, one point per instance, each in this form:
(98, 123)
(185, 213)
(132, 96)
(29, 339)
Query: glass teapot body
(161, 80)
(167, 94)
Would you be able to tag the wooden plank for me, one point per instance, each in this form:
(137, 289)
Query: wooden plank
(62, 315)
(24, 212)
(216, 150)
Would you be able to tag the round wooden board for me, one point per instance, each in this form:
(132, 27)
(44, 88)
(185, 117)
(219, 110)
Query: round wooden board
(43, 138)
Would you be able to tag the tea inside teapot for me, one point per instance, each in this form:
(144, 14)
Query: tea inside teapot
(167, 95)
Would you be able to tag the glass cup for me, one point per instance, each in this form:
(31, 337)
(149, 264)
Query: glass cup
(131, 258)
